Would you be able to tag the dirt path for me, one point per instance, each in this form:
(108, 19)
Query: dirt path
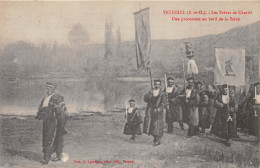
(93, 139)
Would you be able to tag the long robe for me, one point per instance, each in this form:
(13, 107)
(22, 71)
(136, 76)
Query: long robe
(174, 112)
(221, 127)
(134, 120)
(54, 121)
(153, 120)
(192, 108)
(253, 113)
(204, 111)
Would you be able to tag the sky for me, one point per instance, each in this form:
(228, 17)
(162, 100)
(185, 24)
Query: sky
(39, 22)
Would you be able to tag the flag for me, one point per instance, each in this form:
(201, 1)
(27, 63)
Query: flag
(192, 67)
(142, 38)
(230, 66)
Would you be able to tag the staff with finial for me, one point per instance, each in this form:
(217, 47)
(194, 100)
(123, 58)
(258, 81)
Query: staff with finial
(183, 66)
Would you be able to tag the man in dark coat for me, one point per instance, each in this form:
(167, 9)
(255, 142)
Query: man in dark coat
(222, 125)
(134, 119)
(192, 100)
(252, 104)
(173, 111)
(212, 94)
(52, 111)
(153, 121)
(203, 107)
(204, 115)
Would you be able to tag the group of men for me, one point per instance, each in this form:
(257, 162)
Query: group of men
(199, 108)
(204, 108)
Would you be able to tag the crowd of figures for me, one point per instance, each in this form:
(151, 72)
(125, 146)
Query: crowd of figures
(219, 109)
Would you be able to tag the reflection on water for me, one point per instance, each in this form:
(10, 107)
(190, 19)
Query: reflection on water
(22, 97)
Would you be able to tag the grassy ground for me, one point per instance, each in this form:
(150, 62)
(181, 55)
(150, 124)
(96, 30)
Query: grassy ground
(100, 138)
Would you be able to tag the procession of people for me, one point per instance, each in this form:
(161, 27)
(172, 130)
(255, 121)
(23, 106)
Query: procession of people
(202, 107)
(196, 105)
(205, 108)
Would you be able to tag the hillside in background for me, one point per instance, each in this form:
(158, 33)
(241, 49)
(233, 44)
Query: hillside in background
(25, 60)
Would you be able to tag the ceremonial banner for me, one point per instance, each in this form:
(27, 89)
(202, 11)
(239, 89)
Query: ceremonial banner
(142, 37)
(230, 66)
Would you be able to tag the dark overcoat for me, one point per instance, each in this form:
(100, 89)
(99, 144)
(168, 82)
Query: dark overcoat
(192, 108)
(220, 124)
(154, 114)
(134, 120)
(204, 110)
(173, 111)
(54, 120)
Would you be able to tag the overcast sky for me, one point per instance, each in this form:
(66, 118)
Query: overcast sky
(39, 22)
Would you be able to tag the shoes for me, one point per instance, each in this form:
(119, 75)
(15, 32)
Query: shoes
(132, 138)
(64, 132)
(188, 136)
(156, 143)
(56, 159)
(228, 144)
(44, 162)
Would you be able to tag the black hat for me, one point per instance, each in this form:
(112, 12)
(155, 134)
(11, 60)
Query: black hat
(131, 100)
(157, 80)
(205, 92)
(224, 86)
(257, 83)
(170, 78)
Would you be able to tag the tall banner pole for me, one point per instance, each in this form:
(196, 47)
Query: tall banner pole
(151, 80)
(183, 66)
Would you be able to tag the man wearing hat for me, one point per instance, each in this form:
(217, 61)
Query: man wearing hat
(223, 122)
(52, 111)
(153, 121)
(173, 111)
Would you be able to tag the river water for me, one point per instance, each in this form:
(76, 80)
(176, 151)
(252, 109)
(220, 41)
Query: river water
(22, 97)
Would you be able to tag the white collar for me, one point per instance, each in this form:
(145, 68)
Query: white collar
(156, 92)
(130, 109)
(257, 99)
(47, 100)
(169, 89)
(225, 99)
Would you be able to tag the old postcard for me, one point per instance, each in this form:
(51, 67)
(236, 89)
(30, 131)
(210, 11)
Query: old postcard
(129, 84)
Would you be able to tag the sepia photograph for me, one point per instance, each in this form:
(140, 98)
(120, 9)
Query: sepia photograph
(130, 84)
